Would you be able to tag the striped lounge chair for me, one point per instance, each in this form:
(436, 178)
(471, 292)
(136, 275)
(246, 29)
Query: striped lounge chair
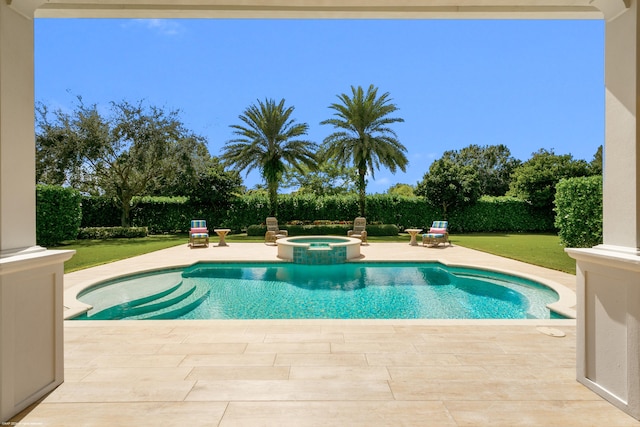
(438, 233)
(198, 234)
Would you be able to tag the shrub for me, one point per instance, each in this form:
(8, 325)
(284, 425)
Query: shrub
(501, 213)
(58, 214)
(103, 233)
(326, 229)
(578, 206)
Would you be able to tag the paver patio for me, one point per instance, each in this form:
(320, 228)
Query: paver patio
(319, 372)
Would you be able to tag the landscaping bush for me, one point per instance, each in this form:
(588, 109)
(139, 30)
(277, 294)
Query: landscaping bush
(325, 229)
(103, 233)
(502, 213)
(578, 206)
(58, 214)
(99, 212)
(162, 214)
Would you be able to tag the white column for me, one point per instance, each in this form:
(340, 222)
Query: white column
(31, 289)
(608, 275)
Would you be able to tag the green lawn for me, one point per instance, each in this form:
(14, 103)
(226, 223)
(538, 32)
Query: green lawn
(90, 253)
(539, 249)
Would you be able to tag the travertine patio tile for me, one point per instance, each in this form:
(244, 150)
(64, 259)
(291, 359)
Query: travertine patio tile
(76, 374)
(142, 360)
(223, 338)
(410, 359)
(212, 373)
(336, 337)
(192, 414)
(373, 347)
(293, 390)
(133, 391)
(340, 373)
(202, 348)
(492, 390)
(256, 359)
(460, 347)
(521, 360)
(355, 327)
(533, 372)
(137, 374)
(534, 413)
(336, 413)
(299, 347)
(438, 373)
(406, 338)
(112, 347)
(320, 360)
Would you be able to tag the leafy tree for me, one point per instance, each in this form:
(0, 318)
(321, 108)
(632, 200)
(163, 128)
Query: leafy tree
(449, 185)
(405, 190)
(363, 136)
(128, 154)
(596, 165)
(493, 164)
(268, 141)
(214, 186)
(535, 180)
(327, 179)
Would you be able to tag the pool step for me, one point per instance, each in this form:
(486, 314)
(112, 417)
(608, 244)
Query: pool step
(177, 298)
(118, 311)
(185, 305)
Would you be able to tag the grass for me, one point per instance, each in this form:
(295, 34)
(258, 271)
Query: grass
(544, 250)
(540, 249)
(90, 253)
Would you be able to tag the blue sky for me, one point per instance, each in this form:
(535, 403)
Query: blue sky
(525, 84)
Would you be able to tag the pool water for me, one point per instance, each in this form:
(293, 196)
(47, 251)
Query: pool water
(342, 291)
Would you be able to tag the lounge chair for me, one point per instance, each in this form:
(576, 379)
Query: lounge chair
(273, 231)
(438, 233)
(359, 229)
(198, 234)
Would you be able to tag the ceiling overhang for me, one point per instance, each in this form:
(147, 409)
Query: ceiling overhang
(320, 9)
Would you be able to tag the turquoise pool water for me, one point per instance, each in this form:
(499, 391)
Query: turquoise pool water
(343, 291)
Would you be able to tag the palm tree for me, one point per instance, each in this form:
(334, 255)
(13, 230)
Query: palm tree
(267, 141)
(363, 135)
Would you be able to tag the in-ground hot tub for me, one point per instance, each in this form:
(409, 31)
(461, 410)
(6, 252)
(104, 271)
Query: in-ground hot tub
(318, 249)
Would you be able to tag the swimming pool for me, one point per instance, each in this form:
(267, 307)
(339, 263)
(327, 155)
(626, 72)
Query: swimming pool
(381, 290)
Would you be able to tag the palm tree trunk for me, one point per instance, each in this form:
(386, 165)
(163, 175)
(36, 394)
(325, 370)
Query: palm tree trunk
(362, 191)
(273, 198)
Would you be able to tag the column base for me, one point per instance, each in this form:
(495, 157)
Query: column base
(31, 327)
(608, 324)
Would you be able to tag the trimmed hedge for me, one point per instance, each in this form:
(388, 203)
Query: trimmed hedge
(161, 214)
(326, 229)
(102, 233)
(58, 214)
(502, 213)
(579, 211)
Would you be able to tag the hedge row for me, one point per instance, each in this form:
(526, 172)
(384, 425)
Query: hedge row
(58, 214)
(579, 211)
(172, 215)
(101, 233)
(324, 230)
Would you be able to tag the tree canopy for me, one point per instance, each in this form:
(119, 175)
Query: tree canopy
(449, 185)
(268, 140)
(492, 163)
(535, 180)
(363, 136)
(130, 152)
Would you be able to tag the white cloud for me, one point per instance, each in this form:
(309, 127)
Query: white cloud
(162, 26)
